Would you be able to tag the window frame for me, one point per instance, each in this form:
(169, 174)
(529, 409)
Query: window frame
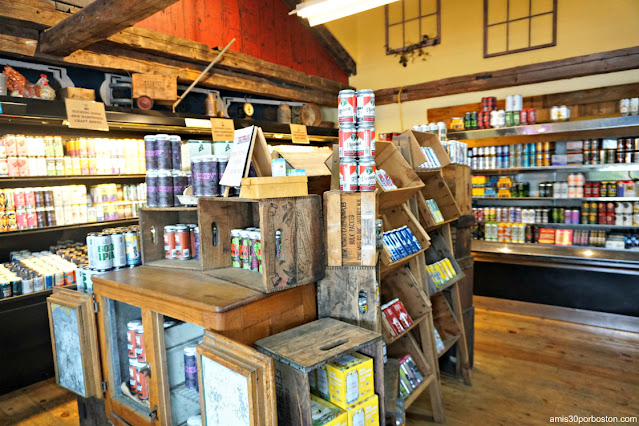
(508, 21)
(423, 43)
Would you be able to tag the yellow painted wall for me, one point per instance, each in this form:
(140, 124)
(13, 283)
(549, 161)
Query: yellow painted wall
(583, 27)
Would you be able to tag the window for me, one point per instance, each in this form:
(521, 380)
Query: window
(412, 24)
(512, 26)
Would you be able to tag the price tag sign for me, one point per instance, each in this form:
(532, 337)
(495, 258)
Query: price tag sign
(298, 134)
(88, 115)
(223, 129)
(239, 157)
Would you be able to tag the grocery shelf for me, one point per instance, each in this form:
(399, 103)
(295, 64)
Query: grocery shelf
(390, 339)
(418, 390)
(448, 343)
(547, 129)
(36, 294)
(631, 199)
(17, 181)
(613, 167)
(549, 252)
(577, 225)
(104, 223)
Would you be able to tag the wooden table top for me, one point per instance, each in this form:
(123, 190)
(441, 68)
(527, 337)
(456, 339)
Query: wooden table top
(183, 287)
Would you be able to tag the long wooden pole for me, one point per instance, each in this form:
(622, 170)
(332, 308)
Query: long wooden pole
(206, 70)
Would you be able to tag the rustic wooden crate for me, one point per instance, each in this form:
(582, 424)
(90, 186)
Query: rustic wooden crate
(445, 321)
(349, 220)
(435, 188)
(300, 350)
(391, 386)
(409, 345)
(339, 293)
(458, 179)
(156, 87)
(438, 250)
(76, 93)
(402, 285)
(314, 163)
(258, 188)
(416, 140)
(394, 218)
(152, 223)
(301, 259)
(462, 235)
(388, 158)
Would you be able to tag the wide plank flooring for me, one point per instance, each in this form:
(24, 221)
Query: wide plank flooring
(527, 369)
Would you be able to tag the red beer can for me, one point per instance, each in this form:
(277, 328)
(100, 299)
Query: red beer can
(365, 140)
(348, 178)
(348, 140)
(347, 106)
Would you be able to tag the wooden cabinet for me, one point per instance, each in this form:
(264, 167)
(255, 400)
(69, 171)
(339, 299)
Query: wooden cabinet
(177, 308)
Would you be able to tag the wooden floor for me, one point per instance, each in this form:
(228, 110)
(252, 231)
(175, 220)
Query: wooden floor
(526, 370)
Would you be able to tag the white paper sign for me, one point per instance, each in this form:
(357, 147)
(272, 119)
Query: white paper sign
(238, 160)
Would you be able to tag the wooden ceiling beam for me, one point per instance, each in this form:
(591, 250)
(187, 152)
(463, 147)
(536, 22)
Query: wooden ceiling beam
(328, 41)
(40, 15)
(98, 21)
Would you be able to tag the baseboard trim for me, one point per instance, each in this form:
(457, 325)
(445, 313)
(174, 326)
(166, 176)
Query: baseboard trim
(559, 313)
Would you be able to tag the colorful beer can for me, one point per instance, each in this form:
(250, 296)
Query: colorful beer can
(366, 106)
(347, 106)
(365, 140)
(348, 178)
(348, 140)
(182, 237)
(119, 250)
(132, 243)
(366, 172)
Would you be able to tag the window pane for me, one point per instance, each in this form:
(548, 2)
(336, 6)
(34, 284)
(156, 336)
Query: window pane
(395, 37)
(429, 6)
(496, 11)
(496, 39)
(541, 30)
(541, 6)
(429, 26)
(412, 32)
(411, 9)
(518, 9)
(518, 35)
(395, 12)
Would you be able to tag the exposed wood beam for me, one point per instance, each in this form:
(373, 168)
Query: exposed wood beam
(109, 58)
(39, 14)
(328, 42)
(578, 66)
(98, 21)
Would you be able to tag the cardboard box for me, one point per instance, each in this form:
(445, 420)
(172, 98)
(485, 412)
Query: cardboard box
(546, 236)
(350, 380)
(365, 413)
(326, 414)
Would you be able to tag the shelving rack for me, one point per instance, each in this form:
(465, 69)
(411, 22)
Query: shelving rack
(580, 275)
(39, 117)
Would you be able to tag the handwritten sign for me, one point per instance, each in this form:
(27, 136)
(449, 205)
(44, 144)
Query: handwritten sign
(298, 134)
(86, 115)
(238, 160)
(223, 129)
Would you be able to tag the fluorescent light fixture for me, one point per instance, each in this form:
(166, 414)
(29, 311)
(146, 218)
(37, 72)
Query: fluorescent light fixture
(320, 11)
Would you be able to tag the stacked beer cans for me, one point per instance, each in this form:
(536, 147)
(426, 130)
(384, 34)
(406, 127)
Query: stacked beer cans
(246, 248)
(31, 272)
(109, 250)
(136, 351)
(356, 114)
(441, 271)
(182, 241)
(401, 243)
(206, 172)
(165, 179)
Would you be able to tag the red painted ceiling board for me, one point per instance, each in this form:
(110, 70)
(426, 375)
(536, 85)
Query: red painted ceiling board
(261, 28)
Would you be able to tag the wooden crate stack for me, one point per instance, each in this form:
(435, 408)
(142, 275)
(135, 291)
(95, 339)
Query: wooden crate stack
(350, 289)
(450, 188)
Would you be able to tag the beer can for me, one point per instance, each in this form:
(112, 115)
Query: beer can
(236, 261)
(119, 250)
(348, 178)
(182, 236)
(347, 106)
(365, 106)
(365, 140)
(133, 366)
(245, 254)
(100, 250)
(366, 172)
(348, 140)
(132, 244)
(131, 328)
(165, 189)
(169, 242)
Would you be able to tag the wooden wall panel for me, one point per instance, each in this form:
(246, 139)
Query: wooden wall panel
(262, 29)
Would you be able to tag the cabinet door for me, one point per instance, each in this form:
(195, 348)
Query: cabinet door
(74, 341)
(236, 382)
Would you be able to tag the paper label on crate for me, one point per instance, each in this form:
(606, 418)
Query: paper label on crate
(88, 115)
(352, 387)
(223, 129)
(238, 159)
(298, 134)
